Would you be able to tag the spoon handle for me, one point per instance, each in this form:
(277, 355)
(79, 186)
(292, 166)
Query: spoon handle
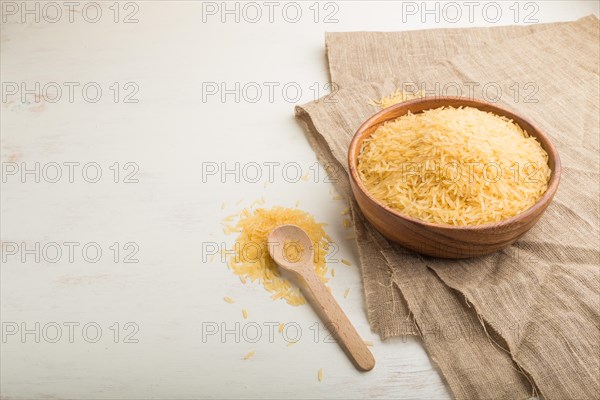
(337, 322)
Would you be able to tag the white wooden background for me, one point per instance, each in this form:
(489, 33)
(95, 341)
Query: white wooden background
(152, 313)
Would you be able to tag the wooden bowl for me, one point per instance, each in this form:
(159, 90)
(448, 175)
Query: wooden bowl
(439, 240)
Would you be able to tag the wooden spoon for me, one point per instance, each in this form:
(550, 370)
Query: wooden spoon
(291, 248)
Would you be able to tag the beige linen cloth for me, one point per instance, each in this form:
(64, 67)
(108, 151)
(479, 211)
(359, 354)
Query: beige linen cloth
(527, 318)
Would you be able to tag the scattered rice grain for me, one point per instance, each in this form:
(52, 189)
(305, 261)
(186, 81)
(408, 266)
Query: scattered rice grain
(251, 259)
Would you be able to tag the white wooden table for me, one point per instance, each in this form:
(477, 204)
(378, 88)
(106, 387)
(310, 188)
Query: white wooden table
(80, 324)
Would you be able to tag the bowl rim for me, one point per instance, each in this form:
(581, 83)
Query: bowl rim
(439, 100)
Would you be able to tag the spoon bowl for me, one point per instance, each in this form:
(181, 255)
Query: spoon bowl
(291, 248)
